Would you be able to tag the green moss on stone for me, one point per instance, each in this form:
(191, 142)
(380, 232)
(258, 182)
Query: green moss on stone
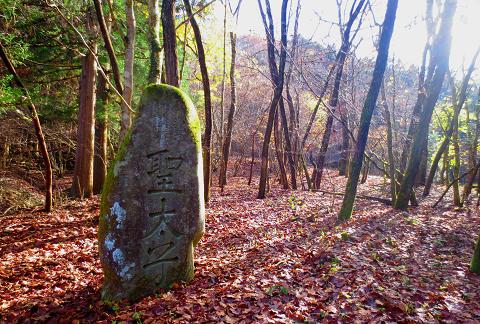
(158, 91)
(108, 185)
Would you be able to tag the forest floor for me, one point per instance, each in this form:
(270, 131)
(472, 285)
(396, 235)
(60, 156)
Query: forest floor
(281, 259)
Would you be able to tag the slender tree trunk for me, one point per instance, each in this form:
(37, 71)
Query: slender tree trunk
(42, 145)
(458, 104)
(467, 189)
(288, 145)
(207, 141)
(82, 182)
(126, 117)
(101, 135)
(342, 163)
(368, 107)
(224, 75)
(170, 43)
(442, 151)
(231, 115)
(278, 81)
(391, 157)
(366, 169)
(456, 167)
(422, 168)
(105, 31)
(278, 152)
(333, 102)
(252, 162)
(441, 53)
(153, 38)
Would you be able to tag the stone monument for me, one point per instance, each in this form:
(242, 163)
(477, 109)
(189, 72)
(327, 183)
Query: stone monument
(152, 209)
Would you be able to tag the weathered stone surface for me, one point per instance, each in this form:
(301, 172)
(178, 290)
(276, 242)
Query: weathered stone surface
(152, 210)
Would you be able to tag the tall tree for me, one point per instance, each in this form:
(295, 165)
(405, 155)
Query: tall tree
(105, 31)
(458, 104)
(278, 81)
(437, 69)
(126, 117)
(37, 126)
(207, 140)
(170, 42)
(153, 36)
(101, 134)
(367, 111)
(82, 182)
(231, 114)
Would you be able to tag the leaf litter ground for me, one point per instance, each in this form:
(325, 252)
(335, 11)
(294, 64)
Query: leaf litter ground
(281, 259)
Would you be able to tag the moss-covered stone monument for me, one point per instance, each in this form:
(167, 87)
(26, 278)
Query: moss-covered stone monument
(152, 210)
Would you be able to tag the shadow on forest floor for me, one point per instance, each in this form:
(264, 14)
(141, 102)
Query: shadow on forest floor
(280, 259)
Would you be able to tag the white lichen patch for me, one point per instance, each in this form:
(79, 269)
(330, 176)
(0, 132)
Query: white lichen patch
(119, 213)
(122, 267)
(124, 272)
(109, 242)
(118, 257)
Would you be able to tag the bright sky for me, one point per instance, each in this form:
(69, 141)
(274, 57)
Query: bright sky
(408, 39)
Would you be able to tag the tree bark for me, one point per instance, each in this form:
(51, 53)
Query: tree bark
(278, 152)
(207, 140)
(42, 145)
(441, 53)
(153, 38)
(170, 42)
(231, 115)
(82, 182)
(277, 94)
(391, 157)
(108, 45)
(367, 111)
(458, 104)
(344, 49)
(126, 117)
(475, 264)
(101, 135)
(467, 189)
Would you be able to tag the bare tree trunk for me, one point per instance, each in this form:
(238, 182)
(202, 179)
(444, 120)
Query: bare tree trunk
(277, 94)
(458, 104)
(82, 182)
(231, 115)
(391, 158)
(101, 135)
(207, 141)
(222, 95)
(42, 145)
(367, 111)
(342, 163)
(278, 153)
(105, 31)
(153, 37)
(252, 162)
(170, 43)
(126, 117)
(346, 43)
(441, 53)
(467, 189)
